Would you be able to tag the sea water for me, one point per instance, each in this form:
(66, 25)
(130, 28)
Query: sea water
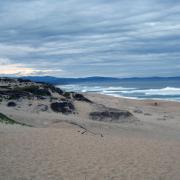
(154, 89)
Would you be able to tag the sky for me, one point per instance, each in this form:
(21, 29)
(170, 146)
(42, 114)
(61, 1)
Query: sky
(79, 38)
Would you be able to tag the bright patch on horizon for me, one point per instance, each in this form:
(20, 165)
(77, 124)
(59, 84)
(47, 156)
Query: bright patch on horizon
(15, 69)
(20, 70)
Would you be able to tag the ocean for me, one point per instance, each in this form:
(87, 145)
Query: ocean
(134, 89)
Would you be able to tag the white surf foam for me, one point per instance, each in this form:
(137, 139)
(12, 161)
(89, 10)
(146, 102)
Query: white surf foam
(168, 91)
(83, 88)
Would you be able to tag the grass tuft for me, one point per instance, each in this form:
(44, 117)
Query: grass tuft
(6, 120)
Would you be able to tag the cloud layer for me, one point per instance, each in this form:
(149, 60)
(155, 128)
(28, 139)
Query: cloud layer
(75, 38)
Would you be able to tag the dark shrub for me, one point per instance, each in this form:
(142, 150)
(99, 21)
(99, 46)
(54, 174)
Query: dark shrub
(11, 104)
(23, 80)
(35, 90)
(53, 89)
(41, 92)
(65, 107)
(67, 95)
(110, 115)
(80, 97)
(41, 97)
(5, 79)
(14, 94)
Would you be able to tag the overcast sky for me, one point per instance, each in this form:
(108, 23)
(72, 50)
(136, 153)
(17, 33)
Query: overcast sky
(75, 38)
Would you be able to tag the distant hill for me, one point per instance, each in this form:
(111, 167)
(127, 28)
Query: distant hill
(95, 79)
(55, 80)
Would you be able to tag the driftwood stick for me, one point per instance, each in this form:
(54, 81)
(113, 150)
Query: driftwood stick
(85, 129)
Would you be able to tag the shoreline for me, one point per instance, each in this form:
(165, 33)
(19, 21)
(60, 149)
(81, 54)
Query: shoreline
(128, 97)
(132, 98)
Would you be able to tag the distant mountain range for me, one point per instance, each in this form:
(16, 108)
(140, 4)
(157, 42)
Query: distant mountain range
(95, 79)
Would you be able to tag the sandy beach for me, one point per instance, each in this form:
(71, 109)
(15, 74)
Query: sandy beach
(65, 153)
(144, 150)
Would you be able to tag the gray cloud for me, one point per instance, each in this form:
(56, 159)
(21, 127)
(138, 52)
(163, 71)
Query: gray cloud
(97, 37)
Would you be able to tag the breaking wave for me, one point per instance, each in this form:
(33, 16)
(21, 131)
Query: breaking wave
(167, 93)
(164, 91)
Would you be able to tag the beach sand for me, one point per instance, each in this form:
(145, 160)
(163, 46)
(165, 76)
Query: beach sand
(144, 150)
